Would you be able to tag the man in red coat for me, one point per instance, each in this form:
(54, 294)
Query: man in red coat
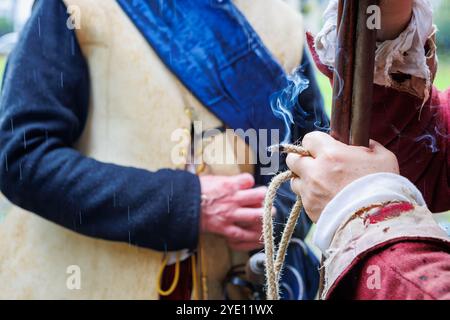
(374, 227)
(410, 117)
(378, 238)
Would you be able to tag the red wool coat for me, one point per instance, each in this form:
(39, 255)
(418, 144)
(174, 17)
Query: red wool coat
(419, 136)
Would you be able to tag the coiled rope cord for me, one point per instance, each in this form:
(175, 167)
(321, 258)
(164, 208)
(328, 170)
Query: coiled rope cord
(275, 260)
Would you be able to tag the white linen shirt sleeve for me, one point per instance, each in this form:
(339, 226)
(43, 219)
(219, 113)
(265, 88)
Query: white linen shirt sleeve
(405, 54)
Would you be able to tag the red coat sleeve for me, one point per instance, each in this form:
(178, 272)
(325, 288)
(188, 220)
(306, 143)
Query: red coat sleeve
(401, 271)
(419, 137)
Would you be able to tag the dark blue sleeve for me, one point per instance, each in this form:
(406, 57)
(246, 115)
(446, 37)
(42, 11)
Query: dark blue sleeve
(43, 110)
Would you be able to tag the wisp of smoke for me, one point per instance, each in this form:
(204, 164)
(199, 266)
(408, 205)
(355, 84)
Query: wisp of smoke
(440, 133)
(284, 101)
(430, 141)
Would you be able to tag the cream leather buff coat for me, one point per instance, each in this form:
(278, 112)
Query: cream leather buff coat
(134, 97)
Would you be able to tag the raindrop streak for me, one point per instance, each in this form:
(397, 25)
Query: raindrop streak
(168, 204)
(12, 125)
(283, 102)
(20, 170)
(72, 46)
(128, 213)
(79, 213)
(6, 162)
(39, 26)
(396, 131)
(114, 200)
(169, 198)
(62, 80)
(24, 140)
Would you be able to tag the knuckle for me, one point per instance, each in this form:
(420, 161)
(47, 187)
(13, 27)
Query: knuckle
(227, 184)
(257, 215)
(312, 135)
(227, 215)
(295, 184)
(391, 155)
(291, 160)
(308, 138)
(232, 234)
(306, 199)
(331, 155)
(315, 183)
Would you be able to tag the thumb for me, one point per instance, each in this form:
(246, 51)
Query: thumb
(376, 146)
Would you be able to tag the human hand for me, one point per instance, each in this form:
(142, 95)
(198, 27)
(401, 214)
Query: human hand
(332, 167)
(233, 209)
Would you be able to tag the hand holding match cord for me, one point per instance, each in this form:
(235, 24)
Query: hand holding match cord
(332, 166)
(321, 167)
(290, 148)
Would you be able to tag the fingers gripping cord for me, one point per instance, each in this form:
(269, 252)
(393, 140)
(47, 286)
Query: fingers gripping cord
(275, 260)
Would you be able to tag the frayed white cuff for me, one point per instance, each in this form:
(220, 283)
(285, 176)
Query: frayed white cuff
(405, 54)
(366, 191)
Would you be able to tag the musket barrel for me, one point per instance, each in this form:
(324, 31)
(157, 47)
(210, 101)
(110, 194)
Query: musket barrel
(343, 71)
(363, 76)
(353, 73)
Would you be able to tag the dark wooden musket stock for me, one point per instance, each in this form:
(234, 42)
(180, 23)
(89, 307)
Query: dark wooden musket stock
(353, 74)
(343, 72)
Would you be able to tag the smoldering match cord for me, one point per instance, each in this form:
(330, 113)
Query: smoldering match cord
(275, 260)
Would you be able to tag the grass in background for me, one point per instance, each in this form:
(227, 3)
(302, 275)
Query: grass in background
(2, 68)
(325, 88)
(5, 206)
(442, 81)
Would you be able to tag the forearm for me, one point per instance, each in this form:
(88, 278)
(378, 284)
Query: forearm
(408, 270)
(147, 209)
(403, 44)
(364, 219)
(395, 17)
(44, 105)
(409, 117)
